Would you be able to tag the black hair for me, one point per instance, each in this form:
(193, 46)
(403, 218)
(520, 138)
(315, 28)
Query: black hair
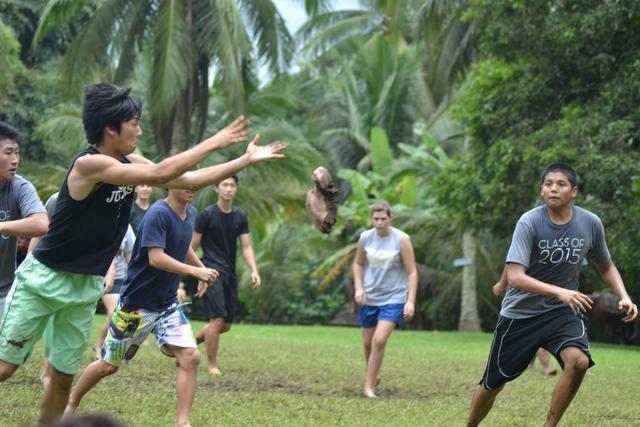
(107, 105)
(562, 168)
(8, 132)
(235, 178)
(95, 420)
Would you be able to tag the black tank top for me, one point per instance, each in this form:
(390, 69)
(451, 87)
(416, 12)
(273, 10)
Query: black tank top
(84, 235)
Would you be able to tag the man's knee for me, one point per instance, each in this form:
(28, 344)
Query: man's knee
(218, 324)
(7, 370)
(575, 360)
(189, 359)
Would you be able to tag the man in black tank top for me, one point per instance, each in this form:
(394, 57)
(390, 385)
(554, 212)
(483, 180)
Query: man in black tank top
(62, 279)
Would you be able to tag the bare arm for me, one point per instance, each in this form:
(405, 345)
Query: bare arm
(195, 240)
(160, 260)
(358, 268)
(254, 154)
(35, 225)
(249, 257)
(518, 278)
(611, 276)
(409, 262)
(501, 286)
(88, 171)
(192, 259)
(110, 277)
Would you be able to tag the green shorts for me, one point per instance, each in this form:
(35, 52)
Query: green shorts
(64, 303)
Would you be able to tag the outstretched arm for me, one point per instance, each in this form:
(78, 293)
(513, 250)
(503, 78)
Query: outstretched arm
(611, 276)
(213, 174)
(250, 259)
(87, 171)
(35, 225)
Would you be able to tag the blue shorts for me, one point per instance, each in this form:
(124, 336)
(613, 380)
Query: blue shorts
(371, 314)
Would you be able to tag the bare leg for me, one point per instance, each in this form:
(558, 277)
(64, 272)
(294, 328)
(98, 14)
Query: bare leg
(89, 378)
(186, 382)
(109, 301)
(54, 397)
(378, 342)
(481, 404)
(45, 375)
(212, 333)
(7, 370)
(576, 364)
(543, 356)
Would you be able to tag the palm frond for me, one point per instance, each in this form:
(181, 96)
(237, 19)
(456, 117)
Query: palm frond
(275, 44)
(89, 47)
(136, 21)
(56, 13)
(172, 57)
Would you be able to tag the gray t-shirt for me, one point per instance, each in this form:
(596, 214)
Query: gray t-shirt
(385, 280)
(553, 254)
(18, 199)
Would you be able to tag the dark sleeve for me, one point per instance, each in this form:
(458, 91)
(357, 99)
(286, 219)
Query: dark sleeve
(154, 232)
(202, 221)
(243, 227)
(599, 252)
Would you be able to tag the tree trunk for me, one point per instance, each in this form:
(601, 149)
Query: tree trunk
(469, 319)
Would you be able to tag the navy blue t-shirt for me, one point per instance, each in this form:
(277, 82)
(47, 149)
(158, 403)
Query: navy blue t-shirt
(147, 287)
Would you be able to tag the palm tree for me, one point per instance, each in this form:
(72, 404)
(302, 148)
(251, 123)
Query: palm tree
(388, 65)
(180, 42)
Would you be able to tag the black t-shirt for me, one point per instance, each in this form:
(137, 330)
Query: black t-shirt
(84, 235)
(220, 232)
(137, 213)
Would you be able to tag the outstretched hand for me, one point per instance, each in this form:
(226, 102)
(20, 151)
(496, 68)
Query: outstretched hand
(261, 153)
(630, 308)
(237, 131)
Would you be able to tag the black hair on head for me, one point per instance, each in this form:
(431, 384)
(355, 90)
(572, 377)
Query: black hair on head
(107, 105)
(564, 168)
(8, 132)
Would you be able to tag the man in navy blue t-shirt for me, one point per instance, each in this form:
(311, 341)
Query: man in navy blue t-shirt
(148, 303)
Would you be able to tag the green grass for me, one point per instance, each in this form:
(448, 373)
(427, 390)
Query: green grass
(297, 375)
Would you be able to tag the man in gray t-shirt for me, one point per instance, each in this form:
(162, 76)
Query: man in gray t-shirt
(21, 211)
(542, 307)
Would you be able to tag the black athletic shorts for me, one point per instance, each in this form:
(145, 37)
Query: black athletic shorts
(515, 342)
(221, 299)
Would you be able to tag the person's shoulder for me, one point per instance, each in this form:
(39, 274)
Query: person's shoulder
(532, 216)
(191, 210)
(366, 234)
(158, 208)
(19, 182)
(238, 212)
(585, 214)
(399, 233)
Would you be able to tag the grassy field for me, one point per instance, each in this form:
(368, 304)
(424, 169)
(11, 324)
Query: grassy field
(297, 375)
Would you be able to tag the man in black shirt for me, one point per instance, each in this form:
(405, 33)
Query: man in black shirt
(218, 228)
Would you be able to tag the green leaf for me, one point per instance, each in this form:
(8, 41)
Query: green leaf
(381, 156)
